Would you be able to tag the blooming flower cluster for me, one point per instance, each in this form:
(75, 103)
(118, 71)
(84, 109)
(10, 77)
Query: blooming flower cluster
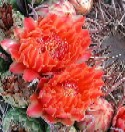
(66, 96)
(48, 45)
(49, 50)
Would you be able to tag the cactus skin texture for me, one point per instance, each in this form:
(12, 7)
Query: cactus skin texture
(60, 128)
(14, 90)
(15, 115)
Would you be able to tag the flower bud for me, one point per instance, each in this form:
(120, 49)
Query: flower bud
(82, 6)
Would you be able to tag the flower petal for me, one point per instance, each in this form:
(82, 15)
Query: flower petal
(17, 68)
(34, 109)
(84, 58)
(30, 75)
(8, 43)
(29, 24)
(17, 32)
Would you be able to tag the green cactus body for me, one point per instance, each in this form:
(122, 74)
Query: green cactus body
(15, 100)
(60, 128)
(18, 117)
(14, 90)
(36, 1)
(2, 34)
(17, 18)
(5, 60)
(3, 65)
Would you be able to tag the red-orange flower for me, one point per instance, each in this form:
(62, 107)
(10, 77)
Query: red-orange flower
(47, 45)
(66, 96)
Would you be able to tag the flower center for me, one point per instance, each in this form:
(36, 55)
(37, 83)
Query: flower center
(55, 45)
(70, 88)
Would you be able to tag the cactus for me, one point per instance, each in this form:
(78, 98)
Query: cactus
(15, 90)
(60, 128)
(17, 118)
